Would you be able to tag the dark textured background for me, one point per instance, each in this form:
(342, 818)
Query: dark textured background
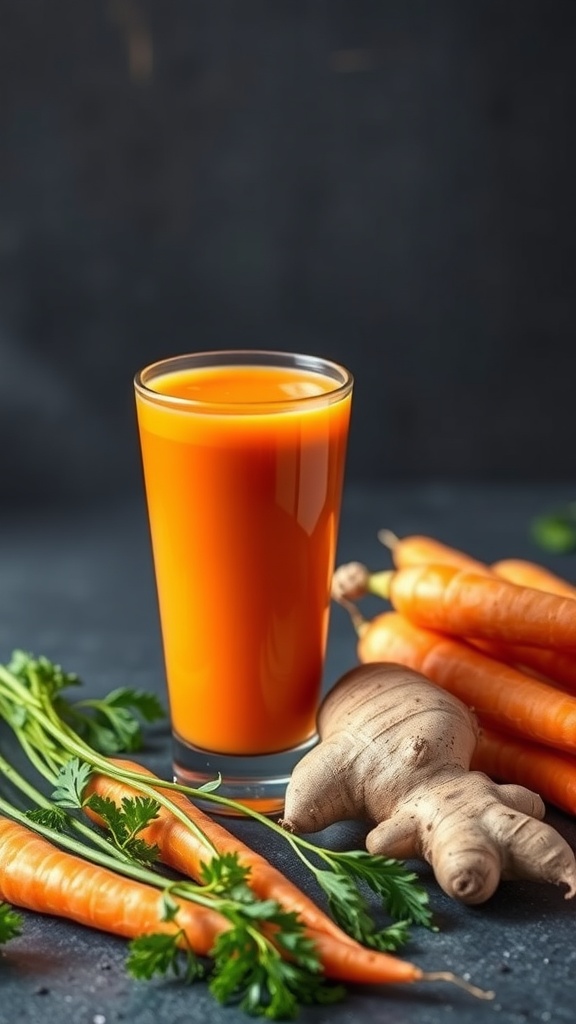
(390, 183)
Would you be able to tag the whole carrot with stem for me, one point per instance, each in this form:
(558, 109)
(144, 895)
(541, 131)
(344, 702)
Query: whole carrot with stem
(468, 604)
(551, 773)
(501, 695)
(66, 760)
(37, 876)
(353, 580)
(418, 549)
(260, 960)
(188, 850)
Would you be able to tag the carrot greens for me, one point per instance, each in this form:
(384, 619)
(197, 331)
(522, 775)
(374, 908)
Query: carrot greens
(45, 732)
(248, 918)
(68, 743)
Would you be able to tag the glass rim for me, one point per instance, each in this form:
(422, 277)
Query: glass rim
(342, 377)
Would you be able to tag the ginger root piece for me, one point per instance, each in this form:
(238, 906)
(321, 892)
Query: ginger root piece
(395, 750)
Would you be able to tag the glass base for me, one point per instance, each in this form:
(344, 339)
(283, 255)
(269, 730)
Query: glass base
(258, 781)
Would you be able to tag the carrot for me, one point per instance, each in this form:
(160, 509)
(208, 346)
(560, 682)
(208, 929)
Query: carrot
(555, 667)
(342, 958)
(549, 664)
(417, 549)
(351, 962)
(357, 965)
(502, 696)
(551, 773)
(530, 574)
(181, 848)
(468, 604)
(38, 876)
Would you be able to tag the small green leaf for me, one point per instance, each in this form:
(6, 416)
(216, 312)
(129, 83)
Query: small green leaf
(556, 532)
(264, 984)
(211, 786)
(10, 923)
(224, 875)
(72, 781)
(50, 817)
(125, 822)
(161, 954)
(347, 905)
(146, 704)
(111, 724)
(399, 889)
(40, 674)
(169, 907)
(139, 812)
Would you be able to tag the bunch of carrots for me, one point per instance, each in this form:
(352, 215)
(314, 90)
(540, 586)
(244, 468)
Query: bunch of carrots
(223, 912)
(501, 637)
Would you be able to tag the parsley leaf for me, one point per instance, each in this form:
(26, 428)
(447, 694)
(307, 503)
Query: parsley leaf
(40, 675)
(54, 817)
(71, 782)
(226, 876)
(261, 982)
(111, 724)
(126, 821)
(399, 889)
(10, 923)
(158, 953)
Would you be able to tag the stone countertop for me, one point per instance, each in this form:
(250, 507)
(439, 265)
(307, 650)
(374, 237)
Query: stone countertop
(78, 587)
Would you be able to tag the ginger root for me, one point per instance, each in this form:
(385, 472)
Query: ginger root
(395, 751)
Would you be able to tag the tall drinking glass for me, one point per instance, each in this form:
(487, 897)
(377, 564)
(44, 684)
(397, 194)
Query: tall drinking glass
(243, 456)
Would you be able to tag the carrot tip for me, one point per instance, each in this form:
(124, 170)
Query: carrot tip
(455, 979)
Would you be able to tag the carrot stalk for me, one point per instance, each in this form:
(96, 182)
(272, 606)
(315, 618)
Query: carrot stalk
(502, 696)
(468, 604)
(37, 876)
(187, 850)
(551, 773)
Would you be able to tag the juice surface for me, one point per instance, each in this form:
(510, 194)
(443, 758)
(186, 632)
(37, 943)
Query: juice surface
(243, 503)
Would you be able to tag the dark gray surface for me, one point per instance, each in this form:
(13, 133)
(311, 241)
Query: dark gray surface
(79, 589)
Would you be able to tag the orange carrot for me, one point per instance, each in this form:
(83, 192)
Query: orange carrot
(353, 963)
(503, 697)
(357, 965)
(417, 549)
(38, 876)
(550, 773)
(181, 849)
(555, 667)
(470, 605)
(342, 958)
(530, 574)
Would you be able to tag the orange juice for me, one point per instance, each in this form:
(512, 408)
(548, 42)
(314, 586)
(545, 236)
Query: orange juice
(243, 468)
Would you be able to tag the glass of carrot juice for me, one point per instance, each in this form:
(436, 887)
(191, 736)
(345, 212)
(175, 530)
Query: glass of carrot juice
(243, 457)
